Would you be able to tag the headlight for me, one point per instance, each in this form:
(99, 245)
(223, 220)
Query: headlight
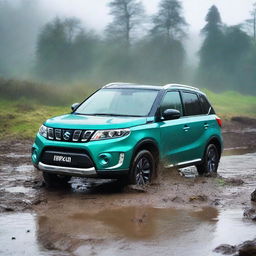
(43, 131)
(110, 134)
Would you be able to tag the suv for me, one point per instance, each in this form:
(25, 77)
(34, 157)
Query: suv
(124, 130)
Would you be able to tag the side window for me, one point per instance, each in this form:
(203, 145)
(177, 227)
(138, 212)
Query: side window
(206, 106)
(171, 101)
(191, 104)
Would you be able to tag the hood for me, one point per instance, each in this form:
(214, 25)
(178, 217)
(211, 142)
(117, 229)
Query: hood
(72, 121)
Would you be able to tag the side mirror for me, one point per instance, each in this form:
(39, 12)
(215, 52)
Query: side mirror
(171, 114)
(74, 106)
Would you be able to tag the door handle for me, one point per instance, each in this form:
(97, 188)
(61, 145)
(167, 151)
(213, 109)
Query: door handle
(206, 126)
(186, 128)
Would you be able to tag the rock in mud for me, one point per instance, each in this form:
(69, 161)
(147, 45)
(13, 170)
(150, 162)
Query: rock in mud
(201, 198)
(235, 182)
(135, 188)
(248, 248)
(5, 208)
(226, 249)
(39, 200)
(38, 184)
(253, 196)
(250, 213)
(216, 202)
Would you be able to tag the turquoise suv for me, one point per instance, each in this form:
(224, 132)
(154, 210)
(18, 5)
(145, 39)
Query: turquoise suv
(124, 130)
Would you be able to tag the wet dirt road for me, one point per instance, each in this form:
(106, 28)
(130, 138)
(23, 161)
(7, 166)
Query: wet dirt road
(174, 216)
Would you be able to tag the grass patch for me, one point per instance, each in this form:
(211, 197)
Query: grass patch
(220, 182)
(22, 119)
(44, 94)
(229, 104)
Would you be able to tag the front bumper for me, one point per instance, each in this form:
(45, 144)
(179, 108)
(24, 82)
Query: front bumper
(64, 170)
(116, 151)
(81, 172)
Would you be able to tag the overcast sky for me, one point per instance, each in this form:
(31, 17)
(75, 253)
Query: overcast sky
(95, 12)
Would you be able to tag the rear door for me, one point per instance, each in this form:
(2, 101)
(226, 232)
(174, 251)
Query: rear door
(194, 126)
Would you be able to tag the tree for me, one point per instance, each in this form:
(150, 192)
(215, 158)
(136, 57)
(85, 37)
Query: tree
(213, 19)
(236, 48)
(211, 53)
(250, 23)
(52, 51)
(19, 24)
(73, 27)
(64, 50)
(161, 55)
(223, 55)
(127, 16)
(169, 21)
(84, 50)
(159, 61)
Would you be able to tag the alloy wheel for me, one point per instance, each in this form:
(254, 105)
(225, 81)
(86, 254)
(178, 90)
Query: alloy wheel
(143, 171)
(212, 160)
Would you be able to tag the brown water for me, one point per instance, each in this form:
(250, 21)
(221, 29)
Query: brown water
(98, 218)
(124, 231)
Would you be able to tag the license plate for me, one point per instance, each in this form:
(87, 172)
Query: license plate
(64, 159)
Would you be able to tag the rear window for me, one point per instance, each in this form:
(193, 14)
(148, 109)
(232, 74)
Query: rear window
(206, 106)
(191, 104)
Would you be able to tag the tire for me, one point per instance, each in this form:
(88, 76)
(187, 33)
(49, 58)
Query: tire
(54, 180)
(143, 168)
(210, 163)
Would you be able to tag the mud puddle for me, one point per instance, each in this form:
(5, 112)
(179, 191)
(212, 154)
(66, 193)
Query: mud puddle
(123, 231)
(176, 215)
(18, 236)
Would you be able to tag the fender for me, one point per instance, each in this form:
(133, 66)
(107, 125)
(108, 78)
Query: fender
(141, 143)
(214, 137)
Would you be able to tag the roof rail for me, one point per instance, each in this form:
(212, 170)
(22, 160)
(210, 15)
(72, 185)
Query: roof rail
(180, 85)
(115, 83)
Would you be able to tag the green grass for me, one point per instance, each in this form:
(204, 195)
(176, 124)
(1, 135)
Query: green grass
(21, 117)
(220, 182)
(229, 104)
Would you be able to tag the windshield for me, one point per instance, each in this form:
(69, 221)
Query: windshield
(119, 102)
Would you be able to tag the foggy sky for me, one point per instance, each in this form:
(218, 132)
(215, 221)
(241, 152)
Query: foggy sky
(94, 13)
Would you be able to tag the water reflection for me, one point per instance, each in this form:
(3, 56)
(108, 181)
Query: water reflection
(129, 224)
(123, 231)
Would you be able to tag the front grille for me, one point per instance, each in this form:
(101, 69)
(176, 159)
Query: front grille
(69, 135)
(66, 158)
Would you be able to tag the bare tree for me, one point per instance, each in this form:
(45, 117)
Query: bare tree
(73, 27)
(250, 24)
(169, 20)
(127, 15)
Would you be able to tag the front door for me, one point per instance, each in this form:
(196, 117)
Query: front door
(174, 135)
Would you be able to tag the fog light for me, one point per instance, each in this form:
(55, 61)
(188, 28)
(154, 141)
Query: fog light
(105, 158)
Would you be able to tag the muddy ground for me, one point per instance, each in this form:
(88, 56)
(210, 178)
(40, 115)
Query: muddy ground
(176, 215)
